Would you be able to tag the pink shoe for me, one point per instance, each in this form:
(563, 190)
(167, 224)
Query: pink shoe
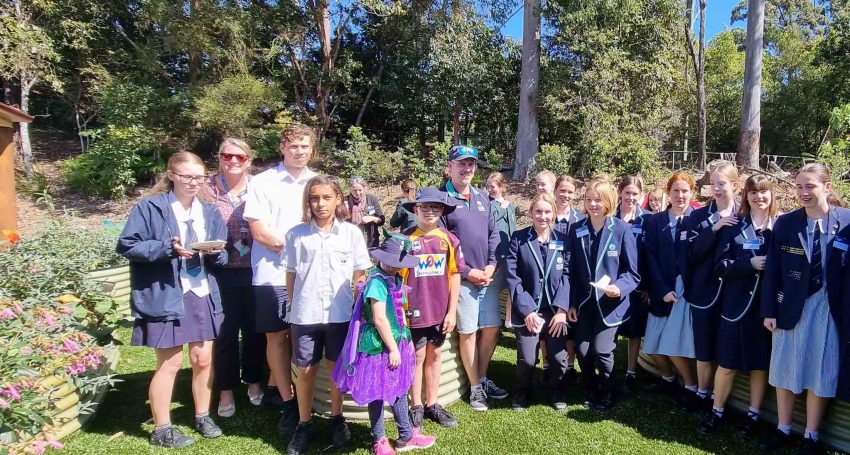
(382, 447)
(418, 441)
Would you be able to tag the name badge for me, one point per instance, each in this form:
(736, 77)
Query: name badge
(683, 235)
(582, 232)
(613, 253)
(637, 230)
(841, 244)
(370, 210)
(751, 244)
(557, 245)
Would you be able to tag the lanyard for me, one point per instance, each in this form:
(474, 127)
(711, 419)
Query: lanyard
(243, 225)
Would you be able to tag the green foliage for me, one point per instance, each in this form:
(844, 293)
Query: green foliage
(835, 154)
(556, 158)
(235, 104)
(119, 158)
(724, 87)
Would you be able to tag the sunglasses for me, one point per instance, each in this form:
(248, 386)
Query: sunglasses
(228, 157)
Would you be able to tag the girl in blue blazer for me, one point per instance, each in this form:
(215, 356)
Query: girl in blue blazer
(669, 334)
(537, 280)
(702, 290)
(743, 343)
(801, 304)
(631, 193)
(566, 216)
(844, 373)
(174, 297)
(603, 272)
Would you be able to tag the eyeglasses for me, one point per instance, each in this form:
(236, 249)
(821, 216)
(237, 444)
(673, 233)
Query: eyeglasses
(227, 157)
(430, 208)
(189, 178)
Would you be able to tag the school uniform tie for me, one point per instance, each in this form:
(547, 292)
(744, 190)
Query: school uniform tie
(676, 235)
(816, 265)
(193, 264)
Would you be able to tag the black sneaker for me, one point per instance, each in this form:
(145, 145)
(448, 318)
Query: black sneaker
(749, 428)
(519, 402)
(558, 402)
(288, 418)
(810, 447)
(438, 414)
(300, 442)
(688, 400)
(663, 387)
(711, 423)
(630, 384)
(775, 441)
(271, 399)
(170, 437)
(340, 434)
(206, 427)
(603, 402)
(493, 391)
(416, 415)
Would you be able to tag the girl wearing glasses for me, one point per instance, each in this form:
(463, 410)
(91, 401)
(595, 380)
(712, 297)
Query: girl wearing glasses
(227, 189)
(174, 299)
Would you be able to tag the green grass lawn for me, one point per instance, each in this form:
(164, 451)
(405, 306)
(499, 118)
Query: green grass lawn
(642, 424)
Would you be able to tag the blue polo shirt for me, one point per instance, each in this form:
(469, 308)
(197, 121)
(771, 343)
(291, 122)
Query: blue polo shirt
(474, 225)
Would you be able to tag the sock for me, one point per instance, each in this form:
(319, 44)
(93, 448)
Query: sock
(164, 426)
(482, 380)
(702, 393)
(753, 413)
(631, 373)
(692, 388)
(784, 428)
(670, 378)
(201, 415)
(717, 411)
(813, 435)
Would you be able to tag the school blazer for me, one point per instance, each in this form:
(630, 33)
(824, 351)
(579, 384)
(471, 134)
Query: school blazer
(786, 275)
(665, 259)
(741, 282)
(529, 278)
(638, 224)
(563, 226)
(844, 328)
(702, 290)
(617, 257)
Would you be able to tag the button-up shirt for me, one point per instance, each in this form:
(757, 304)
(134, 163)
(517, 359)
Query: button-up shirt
(199, 285)
(323, 263)
(276, 198)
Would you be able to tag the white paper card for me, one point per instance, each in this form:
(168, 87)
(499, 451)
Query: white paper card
(603, 283)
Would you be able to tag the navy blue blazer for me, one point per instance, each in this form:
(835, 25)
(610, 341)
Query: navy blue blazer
(639, 231)
(563, 226)
(741, 282)
(526, 274)
(617, 257)
(702, 290)
(844, 326)
(786, 275)
(666, 260)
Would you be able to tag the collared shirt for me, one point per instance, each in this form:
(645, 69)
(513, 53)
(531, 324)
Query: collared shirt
(810, 239)
(199, 284)
(274, 197)
(323, 263)
(672, 220)
(473, 224)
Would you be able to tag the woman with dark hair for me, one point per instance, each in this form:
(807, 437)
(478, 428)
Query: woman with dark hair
(174, 298)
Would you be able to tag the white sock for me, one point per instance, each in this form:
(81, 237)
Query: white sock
(753, 413)
(813, 435)
(692, 388)
(702, 393)
(670, 378)
(784, 428)
(718, 411)
(631, 373)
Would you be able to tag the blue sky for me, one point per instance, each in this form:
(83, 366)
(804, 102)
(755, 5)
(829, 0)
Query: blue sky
(717, 14)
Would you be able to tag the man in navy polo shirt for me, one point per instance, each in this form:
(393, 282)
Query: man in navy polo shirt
(478, 313)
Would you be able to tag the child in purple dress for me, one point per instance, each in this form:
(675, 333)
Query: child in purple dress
(378, 360)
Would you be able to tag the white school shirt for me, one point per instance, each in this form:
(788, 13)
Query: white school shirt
(274, 197)
(323, 264)
(199, 285)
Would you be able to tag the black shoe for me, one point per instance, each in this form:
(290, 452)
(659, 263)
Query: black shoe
(300, 442)
(519, 402)
(340, 434)
(288, 418)
(206, 427)
(572, 376)
(604, 401)
(749, 428)
(711, 423)
(436, 413)
(688, 400)
(170, 437)
(416, 414)
(558, 401)
(271, 398)
(775, 441)
(810, 447)
(630, 384)
(706, 405)
(663, 387)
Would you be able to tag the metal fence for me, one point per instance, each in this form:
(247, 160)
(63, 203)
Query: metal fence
(679, 159)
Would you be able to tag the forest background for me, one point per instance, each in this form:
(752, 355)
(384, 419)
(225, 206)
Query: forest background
(391, 84)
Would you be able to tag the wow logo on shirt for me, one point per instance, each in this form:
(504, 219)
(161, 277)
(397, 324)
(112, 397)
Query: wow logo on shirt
(430, 265)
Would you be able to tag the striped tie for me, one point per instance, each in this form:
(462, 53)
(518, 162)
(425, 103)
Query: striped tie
(193, 264)
(816, 266)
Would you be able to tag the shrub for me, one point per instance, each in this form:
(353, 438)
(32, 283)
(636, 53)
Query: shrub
(835, 155)
(235, 104)
(556, 158)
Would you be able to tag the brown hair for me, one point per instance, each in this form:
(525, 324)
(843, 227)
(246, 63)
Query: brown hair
(606, 192)
(822, 173)
(565, 179)
(544, 197)
(635, 180)
(497, 177)
(341, 211)
(405, 188)
(293, 132)
(757, 182)
(164, 184)
(681, 175)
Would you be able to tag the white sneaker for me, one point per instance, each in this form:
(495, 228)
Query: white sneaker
(257, 399)
(226, 411)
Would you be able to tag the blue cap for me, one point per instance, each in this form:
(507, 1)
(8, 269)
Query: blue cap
(463, 152)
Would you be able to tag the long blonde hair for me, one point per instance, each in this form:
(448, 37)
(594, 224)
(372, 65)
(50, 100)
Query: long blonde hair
(164, 184)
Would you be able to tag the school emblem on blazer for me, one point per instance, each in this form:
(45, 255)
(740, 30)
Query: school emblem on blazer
(559, 263)
(430, 265)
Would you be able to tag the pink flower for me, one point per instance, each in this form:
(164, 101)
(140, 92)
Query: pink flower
(19, 308)
(7, 313)
(38, 447)
(55, 444)
(12, 392)
(4, 404)
(71, 346)
(65, 309)
(48, 320)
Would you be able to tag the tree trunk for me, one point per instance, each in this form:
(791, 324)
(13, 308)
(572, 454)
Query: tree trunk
(527, 129)
(701, 116)
(749, 135)
(456, 123)
(369, 94)
(26, 146)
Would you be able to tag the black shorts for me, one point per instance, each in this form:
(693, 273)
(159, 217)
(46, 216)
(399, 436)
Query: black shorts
(270, 309)
(311, 342)
(428, 335)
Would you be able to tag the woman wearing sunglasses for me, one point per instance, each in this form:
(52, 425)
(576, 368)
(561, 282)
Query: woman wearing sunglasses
(227, 189)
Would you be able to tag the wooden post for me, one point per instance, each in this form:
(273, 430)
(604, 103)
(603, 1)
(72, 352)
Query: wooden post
(8, 202)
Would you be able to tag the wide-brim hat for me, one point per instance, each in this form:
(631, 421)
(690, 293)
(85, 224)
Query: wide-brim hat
(395, 252)
(433, 196)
